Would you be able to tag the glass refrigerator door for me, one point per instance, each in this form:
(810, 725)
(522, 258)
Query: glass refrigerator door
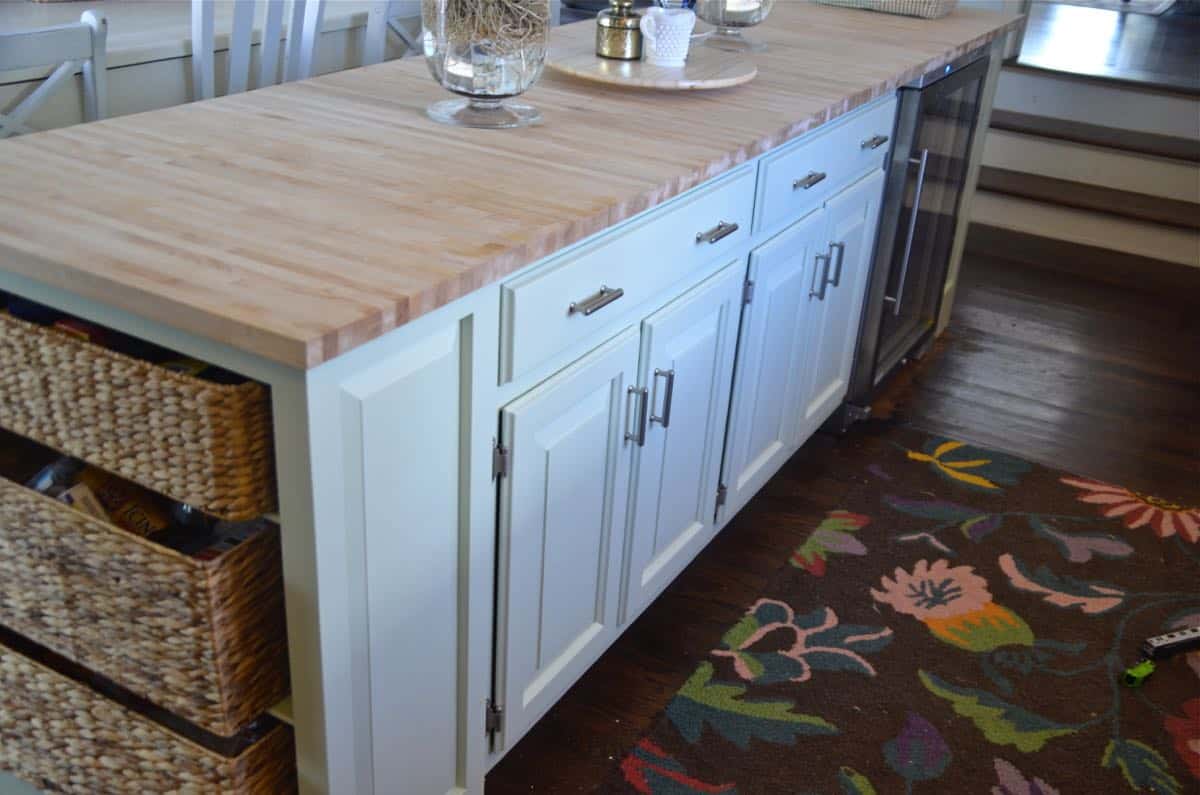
(937, 169)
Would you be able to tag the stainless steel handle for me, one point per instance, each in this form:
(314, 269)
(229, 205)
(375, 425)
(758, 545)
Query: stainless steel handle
(922, 163)
(641, 397)
(596, 301)
(808, 180)
(841, 249)
(874, 142)
(719, 232)
(668, 399)
(812, 293)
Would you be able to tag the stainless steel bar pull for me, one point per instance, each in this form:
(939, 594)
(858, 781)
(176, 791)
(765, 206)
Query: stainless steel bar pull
(921, 163)
(813, 293)
(641, 398)
(596, 301)
(874, 142)
(668, 398)
(721, 231)
(808, 180)
(841, 250)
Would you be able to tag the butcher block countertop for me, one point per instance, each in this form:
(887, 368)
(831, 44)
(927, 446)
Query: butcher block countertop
(300, 221)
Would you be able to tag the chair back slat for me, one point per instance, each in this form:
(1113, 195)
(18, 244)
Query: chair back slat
(203, 13)
(268, 56)
(239, 46)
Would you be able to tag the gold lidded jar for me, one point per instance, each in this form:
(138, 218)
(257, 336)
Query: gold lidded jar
(618, 31)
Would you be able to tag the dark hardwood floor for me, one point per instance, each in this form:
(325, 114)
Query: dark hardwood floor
(1082, 376)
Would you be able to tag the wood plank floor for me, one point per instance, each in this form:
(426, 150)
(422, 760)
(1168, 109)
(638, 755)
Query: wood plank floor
(1083, 376)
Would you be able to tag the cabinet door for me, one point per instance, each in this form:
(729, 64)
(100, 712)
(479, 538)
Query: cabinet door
(769, 379)
(687, 364)
(835, 310)
(562, 515)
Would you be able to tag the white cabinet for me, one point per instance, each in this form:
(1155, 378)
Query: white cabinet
(769, 380)
(687, 365)
(835, 303)
(562, 516)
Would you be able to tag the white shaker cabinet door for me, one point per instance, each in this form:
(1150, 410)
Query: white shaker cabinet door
(836, 308)
(687, 364)
(769, 379)
(562, 515)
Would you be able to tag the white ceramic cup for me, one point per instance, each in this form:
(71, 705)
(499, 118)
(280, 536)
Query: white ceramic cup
(667, 34)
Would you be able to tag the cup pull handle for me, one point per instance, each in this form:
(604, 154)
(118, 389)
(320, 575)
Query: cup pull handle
(668, 399)
(721, 231)
(808, 180)
(596, 301)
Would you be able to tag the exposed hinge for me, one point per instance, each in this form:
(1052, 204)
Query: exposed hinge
(493, 719)
(500, 460)
(748, 291)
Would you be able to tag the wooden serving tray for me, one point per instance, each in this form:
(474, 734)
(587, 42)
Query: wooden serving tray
(706, 67)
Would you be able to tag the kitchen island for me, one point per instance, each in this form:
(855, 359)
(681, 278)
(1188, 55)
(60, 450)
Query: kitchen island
(500, 363)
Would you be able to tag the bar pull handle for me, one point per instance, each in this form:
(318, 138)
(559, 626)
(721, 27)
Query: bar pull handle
(719, 232)
(921, 163)
(841, 258)
(596, 301)
(874, 142)
(808, 180)
(812, 293)
(641, 398)
(668, 399)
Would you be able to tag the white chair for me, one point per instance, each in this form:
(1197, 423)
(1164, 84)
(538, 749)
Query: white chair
(79, 44)
(384, 14)
(303, 32)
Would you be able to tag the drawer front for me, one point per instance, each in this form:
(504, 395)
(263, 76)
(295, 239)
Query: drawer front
(62, 735)
(205, 639)
(798, 179)
(578, 295)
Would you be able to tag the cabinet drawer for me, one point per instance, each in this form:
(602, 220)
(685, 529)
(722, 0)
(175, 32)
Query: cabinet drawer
(205, 639)
(562, 303)
(198, 442)
(63, 736)
(824, 163)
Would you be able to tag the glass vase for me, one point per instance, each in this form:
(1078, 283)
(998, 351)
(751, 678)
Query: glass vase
(487, 51)
(730, 18)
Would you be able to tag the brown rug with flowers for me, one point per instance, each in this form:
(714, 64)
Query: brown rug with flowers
(961, 624)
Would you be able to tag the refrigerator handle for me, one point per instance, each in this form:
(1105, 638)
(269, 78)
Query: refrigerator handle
(922, 162)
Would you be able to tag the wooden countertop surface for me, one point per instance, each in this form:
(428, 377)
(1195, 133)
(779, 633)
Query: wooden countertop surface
(300, 221)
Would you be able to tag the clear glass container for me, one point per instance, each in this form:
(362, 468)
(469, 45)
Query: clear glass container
(730, 17)
(488, 51)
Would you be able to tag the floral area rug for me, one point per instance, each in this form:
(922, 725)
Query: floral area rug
(962, 624)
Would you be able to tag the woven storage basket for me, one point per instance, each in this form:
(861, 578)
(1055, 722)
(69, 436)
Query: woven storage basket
(929, 9)
(205, 639)
(62, 736)
(205, 444)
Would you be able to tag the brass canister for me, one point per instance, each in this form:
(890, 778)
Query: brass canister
(618, 31)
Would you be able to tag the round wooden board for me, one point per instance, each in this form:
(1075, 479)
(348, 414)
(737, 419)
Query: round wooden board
(706, 67)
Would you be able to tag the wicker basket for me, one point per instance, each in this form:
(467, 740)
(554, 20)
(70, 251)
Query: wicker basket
(928, 9)
(62, 736)
(205, 444)
(205, 639)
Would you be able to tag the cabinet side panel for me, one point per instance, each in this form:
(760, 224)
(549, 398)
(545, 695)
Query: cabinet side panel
(410, 407)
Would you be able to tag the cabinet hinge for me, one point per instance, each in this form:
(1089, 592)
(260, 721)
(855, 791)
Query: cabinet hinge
(748, 291)
(500, 460)
(493, 718)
